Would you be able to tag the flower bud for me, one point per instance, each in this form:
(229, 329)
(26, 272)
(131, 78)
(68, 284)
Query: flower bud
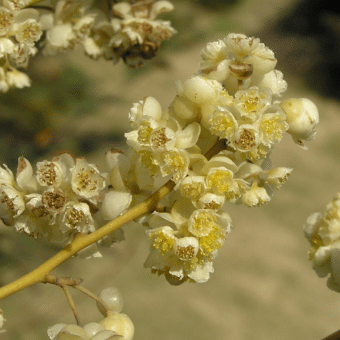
(121, 324)
(112, 298)
(115, 203)
(302, 118)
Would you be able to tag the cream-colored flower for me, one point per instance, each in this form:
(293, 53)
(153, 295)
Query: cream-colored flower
(87, 181)
(256, 196)
(137, 34)
(49, 173)
(214, 63)
(236, 56)
(148, 107)
(272, 126)
(302, 118)
(252, 103)
(223, 123)
(323, 232)
(278, 176)
(17, 79)
(246, 138)
(76, 217)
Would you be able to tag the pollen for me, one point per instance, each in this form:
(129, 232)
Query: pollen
(212, 205)
(192, 190)
(159, 139)
(162, 242)
(219, 180)
(5, 20)
(54, 200)
(8, 201)
(144, 132)
(174, 163)
(185, 253)
(46, 174)
(246, 141)
(221, 125)
(212, 242)
(75, 217)
(147, 160)
(273, 128)
(85, 180)
(316, 242)
(201, 223)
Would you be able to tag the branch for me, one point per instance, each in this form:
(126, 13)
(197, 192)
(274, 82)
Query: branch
(81, 241)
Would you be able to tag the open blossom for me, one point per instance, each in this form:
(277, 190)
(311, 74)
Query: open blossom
(236, 56)
(323, 232)
(137, 33)
(20, 29)
(70, 24)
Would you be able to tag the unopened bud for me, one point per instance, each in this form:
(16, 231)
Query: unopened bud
(302, 118)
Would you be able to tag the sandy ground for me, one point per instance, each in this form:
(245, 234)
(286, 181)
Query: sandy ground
(263, 286)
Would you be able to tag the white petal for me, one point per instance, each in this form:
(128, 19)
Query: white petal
(115, 203)
(189, 136)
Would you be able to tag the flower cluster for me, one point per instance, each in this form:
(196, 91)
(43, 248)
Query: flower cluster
(20, 29)
(62, 198)
(128, 31)
(214, 142)
(115, 325)
(323, 232)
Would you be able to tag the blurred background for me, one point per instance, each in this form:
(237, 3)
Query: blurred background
(263, 286)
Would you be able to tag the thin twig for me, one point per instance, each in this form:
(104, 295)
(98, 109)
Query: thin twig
(64, 282)
(93, 296)
(71, 302)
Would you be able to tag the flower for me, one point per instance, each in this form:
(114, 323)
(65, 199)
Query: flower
(236, 56)
(137, 34)
(323, 232)
(20, 29)
(302, 118)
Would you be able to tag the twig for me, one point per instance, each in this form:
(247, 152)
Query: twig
(71, 303)
(93, 296)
